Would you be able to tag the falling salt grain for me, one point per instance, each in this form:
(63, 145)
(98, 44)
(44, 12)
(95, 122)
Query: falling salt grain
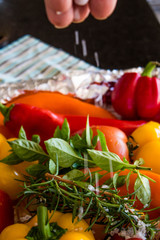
(105, 186)
(76, 37)
(91, 188)
(80, 214)
(84, 48)
(146, 205)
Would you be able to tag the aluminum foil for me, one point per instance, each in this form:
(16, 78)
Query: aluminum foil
(86, 85)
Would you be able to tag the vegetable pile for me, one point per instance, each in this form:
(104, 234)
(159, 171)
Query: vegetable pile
(78, 179)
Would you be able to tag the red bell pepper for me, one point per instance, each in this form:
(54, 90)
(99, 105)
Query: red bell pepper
(6, 210)
(43, 122)
(33, 119)
(79, 122)
(137, 96)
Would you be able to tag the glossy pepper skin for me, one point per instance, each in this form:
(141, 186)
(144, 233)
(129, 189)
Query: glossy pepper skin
(79, 122)
(60, 103)
(6, 210)
(148, 139)
(43, 122)
(137, 96)
(34, 120)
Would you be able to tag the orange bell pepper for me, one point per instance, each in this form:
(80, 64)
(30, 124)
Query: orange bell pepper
(61, 104)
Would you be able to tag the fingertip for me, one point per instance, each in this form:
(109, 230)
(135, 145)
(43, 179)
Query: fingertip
(59, 5)
(80, 13)
(60, 20)
(103, 9)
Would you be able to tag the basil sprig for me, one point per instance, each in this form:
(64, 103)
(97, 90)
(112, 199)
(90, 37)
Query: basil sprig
(64, 153)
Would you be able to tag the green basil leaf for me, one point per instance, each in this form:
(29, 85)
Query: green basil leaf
(78, 143)
(22, 133)
(94, 141)
(125, 160)
(28, 150)
(65, 153)
(142, 189)
(36, 170)
(119, 183)
(36, 138)
(52, 166)
(74, 174)
(81, 184)
(64, 132)
(139, 162)
(115, 178)
(106, 160)
(11, 159)
(128, 180)
(102, 140)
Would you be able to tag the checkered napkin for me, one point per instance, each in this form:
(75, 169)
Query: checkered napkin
(29, 58)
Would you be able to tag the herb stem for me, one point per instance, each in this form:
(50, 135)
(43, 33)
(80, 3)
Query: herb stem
(60, 179)
(43, 223)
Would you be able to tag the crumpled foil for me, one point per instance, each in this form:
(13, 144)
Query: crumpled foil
(83, 84)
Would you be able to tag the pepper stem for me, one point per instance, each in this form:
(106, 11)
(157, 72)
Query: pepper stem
(5, 111)
(147, 72)
(43, 223)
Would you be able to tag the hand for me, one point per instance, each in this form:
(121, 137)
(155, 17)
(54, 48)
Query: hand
(61, 13)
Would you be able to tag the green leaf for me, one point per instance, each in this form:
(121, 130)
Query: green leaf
(36, 170)
(28, 150)
(94, 141)
(64, 132)
(74, 174)
(139, 162)
(115, 178)
(11, 159)
(128, 180)
(125, 160)
(119, 183)
(81, 184)
(52, 166)
(36, 138)
(22, 133)
(65, 153)
(78, 143)
(106, 160)
(142, 189)
(102, 141)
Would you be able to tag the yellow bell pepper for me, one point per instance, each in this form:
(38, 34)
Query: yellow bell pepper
(147, 137)
(16, 231)
(8, 174)
(74, 230)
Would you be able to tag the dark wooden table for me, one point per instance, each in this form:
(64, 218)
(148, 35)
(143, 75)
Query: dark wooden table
(129, 38)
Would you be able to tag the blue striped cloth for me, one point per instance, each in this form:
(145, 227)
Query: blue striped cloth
(155, 5)
(30, 58)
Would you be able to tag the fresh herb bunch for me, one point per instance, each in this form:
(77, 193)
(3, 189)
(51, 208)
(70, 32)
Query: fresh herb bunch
(59, 182)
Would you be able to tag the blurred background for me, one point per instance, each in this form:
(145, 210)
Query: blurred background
(130, 37)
